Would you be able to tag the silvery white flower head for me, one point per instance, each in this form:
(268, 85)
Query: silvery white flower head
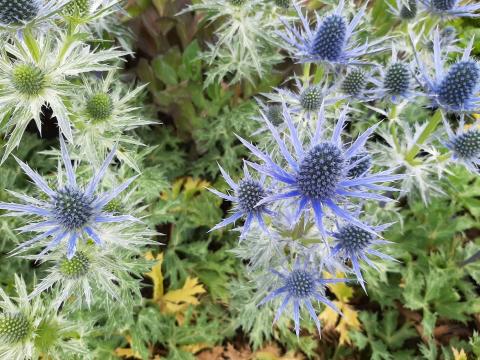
(456, 89)
(38, 72)
(316, 173)
(301, 286)
(355, 245)
(451, 8)
(245, 45)
(109, 272)
(248, 192)
(30, 329)
(331, 41)
(71, 211)
(396, 81)
(464, 145)
(103, 112)
(421, 174)
(406, 10)
(17, 15)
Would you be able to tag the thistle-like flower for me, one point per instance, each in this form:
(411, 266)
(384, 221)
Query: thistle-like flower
(454, 90)
(396, 81)
(451, 8)
(248, 193)
(464, 145)
(102, 115)
(37, 75)
(421, 176)
(111, 272)
(331, 41)
(18, 14)
(30, 329)
(405, 10)
(355, 244)
(301, 286)
(318, 175)
(70, 211)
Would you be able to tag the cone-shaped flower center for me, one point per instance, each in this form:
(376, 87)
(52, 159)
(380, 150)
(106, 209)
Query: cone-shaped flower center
(460, 83)
(17, 11)
(409, 12)
(320, 171)
(443, 4)
(76, 267)
(330, 38)
(100, 106)
(467, 145)
(78, 7)
(300, 284)
(249, 193)
(397, 79)
(361, 167)
(72, 208)
(354, 83)
(28, 79)
(13, 328)
(352, 238)
(311, 98)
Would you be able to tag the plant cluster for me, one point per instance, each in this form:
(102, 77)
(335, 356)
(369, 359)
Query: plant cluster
(338, 140)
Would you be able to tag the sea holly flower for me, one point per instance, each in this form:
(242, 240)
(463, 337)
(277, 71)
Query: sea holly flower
(248, 192)
(451, 8)
(396, 81)
(18, 14)
(464, 144)
(356, 244)
(421, 177)
(70, 212)
(331, 41)
(37, 75)
(300, 287)
(30, 329)
(355, 85)
(112, 272)
(103, 113)
(317, 175)
(456, 89)
(405, 10)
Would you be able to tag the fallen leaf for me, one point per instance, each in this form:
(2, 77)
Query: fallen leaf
(459, 355)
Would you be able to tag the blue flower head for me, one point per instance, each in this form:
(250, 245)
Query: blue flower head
(396, 81)
(331, 41)
(456, 89)
(248, 192)
(319, 174)
(464, 145)
(71, 211)
(451, 8)
(356, 244)
(301, 286)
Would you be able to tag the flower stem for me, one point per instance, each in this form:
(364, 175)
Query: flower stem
(429, 129)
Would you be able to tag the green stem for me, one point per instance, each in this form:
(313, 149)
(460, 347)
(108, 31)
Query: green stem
(429, 129)
(306, 73)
